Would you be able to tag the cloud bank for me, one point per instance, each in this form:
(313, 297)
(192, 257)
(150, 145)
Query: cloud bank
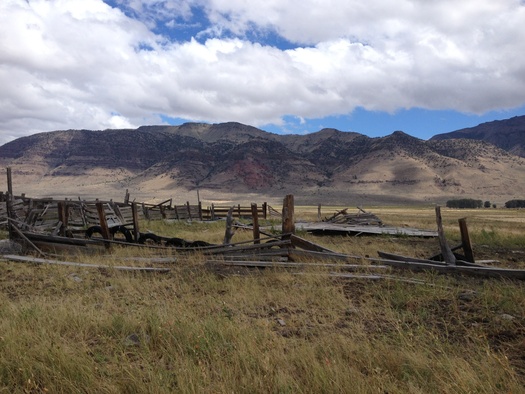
(119, 64)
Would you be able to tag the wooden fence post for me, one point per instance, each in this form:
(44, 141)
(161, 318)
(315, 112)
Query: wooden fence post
(63, 216)
(9, 204)
(446, 252)
(319, 212)
(465, 240)
(228, 234)
(288, 216)
(9, 183)
(135, 213)
(189, 209)
(200, 210)
(255, 219)
(103, 223)
(265, 210)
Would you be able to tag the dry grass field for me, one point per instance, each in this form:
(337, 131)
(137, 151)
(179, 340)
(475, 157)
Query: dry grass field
(202, 329)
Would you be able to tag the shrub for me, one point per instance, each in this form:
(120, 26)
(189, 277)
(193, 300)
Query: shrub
(465, 203)
(515, 204)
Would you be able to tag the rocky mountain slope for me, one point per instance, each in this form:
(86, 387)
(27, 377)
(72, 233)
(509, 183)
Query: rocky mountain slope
(508, 134)
(235, 162)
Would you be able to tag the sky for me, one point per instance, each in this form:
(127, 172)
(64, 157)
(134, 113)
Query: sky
(286, 66)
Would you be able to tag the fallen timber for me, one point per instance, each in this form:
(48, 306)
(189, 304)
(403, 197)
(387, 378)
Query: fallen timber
(35, 260)
(487, 272)
(320, 228)
(27, 222)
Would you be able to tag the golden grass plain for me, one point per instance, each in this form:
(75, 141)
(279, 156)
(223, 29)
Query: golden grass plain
(198, 329)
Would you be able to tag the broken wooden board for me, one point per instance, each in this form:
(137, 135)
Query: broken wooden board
(285, 264)
(331, 228)
(35, 260)
(391, 256)
(488, 272)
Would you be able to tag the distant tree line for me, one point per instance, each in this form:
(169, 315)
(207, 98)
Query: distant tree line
(465, 203)
(471, 203)
(515, 204)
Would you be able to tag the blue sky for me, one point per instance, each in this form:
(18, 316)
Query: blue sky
(283, 66)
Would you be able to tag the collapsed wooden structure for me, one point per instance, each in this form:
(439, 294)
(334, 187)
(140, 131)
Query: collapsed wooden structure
(66, 219)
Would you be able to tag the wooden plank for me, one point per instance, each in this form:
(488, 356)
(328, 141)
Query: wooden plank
(34, 260)
(103, 223)
(288, 218)
(489, 272)
(447, 254)
(231, 249)
(228, 233)
(465, 240)
(295, 255)
(328, 228)
(307, 245)
(135, 215)
(255, 221)
(397, 257)
(22, 235)
(280, 264)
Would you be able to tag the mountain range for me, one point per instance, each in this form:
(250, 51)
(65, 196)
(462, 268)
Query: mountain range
(234, 162)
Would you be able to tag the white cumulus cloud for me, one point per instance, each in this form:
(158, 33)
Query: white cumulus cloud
(90, 64)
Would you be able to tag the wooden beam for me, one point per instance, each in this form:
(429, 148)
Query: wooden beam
(103, 223)
(34, 260)
(302, 243)
(255, 221)
(288, 216)
(63, 212)
(447, 254)
(228, 233)
(22, 235)
(465, 240)
(136, 229)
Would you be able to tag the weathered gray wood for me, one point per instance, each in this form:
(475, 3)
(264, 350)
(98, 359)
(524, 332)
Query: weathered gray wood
(295, 255)
(34, 260)
(136, 228)
(229, 248)
(281, 264)
(392, 256)
(302, 243)
(465, 240)
(447, 254)
(103, 223)
(489, 272)
(22, 235)
(9, 183)
(255, 221)
(328, 228)
(288, 217)
(63, 216)
(228, 233)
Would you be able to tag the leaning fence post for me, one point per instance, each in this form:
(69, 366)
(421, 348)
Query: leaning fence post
(255, 220)
(103, 223)
(446, 252)
(465, 240)
(135, 213)
(228, 234)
